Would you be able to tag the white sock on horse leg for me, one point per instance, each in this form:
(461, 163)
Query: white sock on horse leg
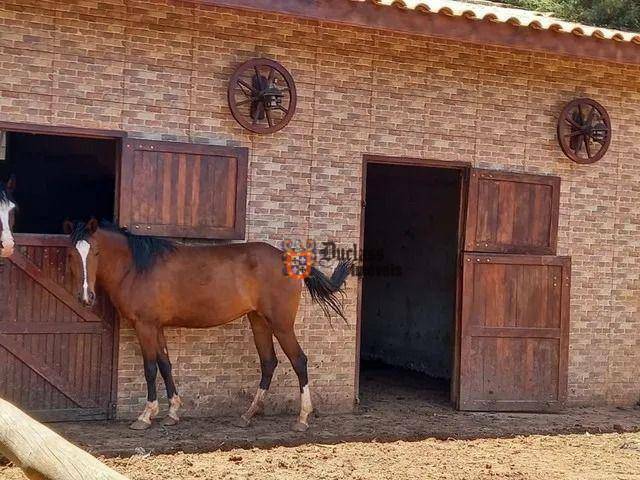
(305, 405)
(150, 411)
(174, 404)
(257, 404)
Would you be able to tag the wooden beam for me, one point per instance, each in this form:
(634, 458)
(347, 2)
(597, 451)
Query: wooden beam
(43, 454)
(61, 130)
(30, 328)
(367, 14)
(514, 332)
(24, 264)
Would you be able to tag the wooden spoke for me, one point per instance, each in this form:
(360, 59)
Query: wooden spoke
(244, 84)
(587, 145)
(280, 107)
(572, 122)
(573, 134)
(590, 116)
(268, 113)
(272, 73)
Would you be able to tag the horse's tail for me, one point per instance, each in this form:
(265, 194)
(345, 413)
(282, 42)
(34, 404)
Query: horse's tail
(328, 292)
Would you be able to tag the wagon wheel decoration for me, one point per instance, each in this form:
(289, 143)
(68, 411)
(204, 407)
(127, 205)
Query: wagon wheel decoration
(262, 95)
(584, 130)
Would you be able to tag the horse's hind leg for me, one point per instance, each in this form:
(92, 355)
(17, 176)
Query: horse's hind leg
(263, 338)
(298, 359)
(148, 338)
(164, 365)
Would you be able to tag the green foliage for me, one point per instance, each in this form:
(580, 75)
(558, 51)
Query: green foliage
(618, 14)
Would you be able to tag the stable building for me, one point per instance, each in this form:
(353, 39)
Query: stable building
(479, 162)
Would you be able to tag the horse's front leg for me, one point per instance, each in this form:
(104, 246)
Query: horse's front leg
(148, 338)
(164, 364)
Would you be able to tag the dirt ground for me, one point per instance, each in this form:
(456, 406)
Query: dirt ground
(564, 457)
(404, 429)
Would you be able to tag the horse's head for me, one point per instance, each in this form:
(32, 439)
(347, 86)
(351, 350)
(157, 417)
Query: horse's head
(82, 258)
(7, 217)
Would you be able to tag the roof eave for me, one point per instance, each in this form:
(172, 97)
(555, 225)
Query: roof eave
(367, 14)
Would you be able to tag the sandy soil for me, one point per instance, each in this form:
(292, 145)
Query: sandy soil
(403, 430)
(566, 457)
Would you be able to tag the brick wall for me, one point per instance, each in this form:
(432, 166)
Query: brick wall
(159, 69)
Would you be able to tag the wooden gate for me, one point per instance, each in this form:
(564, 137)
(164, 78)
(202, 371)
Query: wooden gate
(56, 357)
(514, 328)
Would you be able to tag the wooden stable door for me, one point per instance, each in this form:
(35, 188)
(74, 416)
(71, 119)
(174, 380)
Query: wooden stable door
(186, 190)
(514, 332)
(514, 323)
(512, 213)
(56, 357)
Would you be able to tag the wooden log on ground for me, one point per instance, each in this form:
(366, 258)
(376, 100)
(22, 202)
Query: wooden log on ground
(43, 454)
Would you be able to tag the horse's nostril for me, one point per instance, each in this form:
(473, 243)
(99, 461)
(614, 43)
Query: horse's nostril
(92, 297)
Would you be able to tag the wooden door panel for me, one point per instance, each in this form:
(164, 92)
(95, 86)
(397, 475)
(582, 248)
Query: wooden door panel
(496, 285)
(56, 357)
(183, 190)
(528, 377)
(514, 332)
(512, 213)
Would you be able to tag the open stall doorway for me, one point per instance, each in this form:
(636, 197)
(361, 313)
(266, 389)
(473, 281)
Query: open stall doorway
(408, 310)
(59, 178)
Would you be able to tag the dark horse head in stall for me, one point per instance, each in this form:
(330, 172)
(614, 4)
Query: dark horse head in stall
(7, 216)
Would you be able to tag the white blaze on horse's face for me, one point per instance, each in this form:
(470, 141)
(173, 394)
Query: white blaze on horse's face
(6, 238)
(83, 248)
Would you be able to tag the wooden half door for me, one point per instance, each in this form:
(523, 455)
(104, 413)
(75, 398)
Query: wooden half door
(512, 212)
(184, 190)
(514, 296)
(514, 332)
(57, 358)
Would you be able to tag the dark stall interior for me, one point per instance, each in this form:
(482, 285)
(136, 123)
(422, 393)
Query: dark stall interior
(58, 178)
(409, 285)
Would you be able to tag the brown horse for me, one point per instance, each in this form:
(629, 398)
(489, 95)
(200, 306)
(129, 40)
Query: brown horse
(7, 217)
(155, 283)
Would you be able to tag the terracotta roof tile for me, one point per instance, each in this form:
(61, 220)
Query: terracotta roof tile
(512, 16)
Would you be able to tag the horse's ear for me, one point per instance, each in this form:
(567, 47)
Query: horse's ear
(11, 184)
(92, 226)
(67, 227)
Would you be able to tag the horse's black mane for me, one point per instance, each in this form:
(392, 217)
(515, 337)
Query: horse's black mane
(144, 250)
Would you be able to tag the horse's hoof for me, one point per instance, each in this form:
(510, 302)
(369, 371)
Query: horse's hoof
(170, 421)
(242, 422)
(300, 427)
(139, 425)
